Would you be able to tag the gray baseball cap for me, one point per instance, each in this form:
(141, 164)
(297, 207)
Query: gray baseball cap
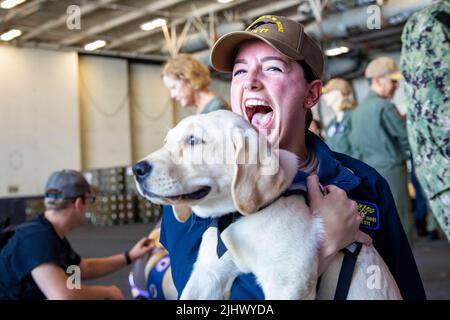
(66, 184)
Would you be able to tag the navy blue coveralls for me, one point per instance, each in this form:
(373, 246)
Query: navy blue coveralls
(362, 183)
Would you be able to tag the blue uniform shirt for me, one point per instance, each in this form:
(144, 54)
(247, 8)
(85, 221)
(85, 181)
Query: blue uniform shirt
(361, 182)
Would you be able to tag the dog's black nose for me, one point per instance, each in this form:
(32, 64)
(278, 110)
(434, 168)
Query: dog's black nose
(142, 169)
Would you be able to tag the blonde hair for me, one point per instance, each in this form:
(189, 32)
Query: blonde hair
(347, 103)
(186, 67)
(346, 90)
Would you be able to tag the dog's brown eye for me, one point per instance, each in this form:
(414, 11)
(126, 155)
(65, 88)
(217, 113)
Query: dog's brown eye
(193, 140)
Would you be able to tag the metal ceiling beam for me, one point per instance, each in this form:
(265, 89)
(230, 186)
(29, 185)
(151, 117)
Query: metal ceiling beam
(22, 11)
(152, 47)
(123, 19)
(173, 41)
(270, 8)
(317, 7)
(86, 9)
(110, 53)
(212, 8)
(267, 9)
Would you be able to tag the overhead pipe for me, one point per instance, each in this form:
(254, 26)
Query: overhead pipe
(203, 56)
(339, 66)
(337, 25)
(196, 42)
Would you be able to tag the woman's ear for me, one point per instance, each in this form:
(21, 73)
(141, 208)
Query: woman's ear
(314, 92)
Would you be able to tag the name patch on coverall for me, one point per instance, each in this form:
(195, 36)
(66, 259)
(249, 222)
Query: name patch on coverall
(371, 215)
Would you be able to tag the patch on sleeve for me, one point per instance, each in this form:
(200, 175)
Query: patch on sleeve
(371, 215)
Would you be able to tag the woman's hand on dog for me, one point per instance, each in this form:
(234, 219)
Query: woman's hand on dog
(340, 218)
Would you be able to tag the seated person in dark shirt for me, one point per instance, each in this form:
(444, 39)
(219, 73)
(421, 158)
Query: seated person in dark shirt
(38, 262)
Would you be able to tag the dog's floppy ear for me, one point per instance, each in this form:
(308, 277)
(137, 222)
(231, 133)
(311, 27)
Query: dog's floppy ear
(182, 212)
(261, 174)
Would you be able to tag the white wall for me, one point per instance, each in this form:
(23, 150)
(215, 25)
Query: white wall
(39, 117)
(152, 112)
(105, 112)
(60, 110)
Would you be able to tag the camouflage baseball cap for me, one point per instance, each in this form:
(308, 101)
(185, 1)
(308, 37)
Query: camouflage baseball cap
(283, 34)
(338, 84)
(381, 67)
(66, 184)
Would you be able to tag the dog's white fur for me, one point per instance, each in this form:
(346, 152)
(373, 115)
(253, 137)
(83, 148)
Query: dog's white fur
(278, 243)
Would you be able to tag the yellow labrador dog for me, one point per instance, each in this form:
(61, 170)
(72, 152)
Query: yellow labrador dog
(215, 164)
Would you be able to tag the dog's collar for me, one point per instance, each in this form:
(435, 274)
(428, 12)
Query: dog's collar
(223, 222)
(298, 188)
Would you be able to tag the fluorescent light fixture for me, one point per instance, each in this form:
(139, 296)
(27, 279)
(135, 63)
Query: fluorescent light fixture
(9, 4)
(336, 51)
(11, 34)
(157, 23)
(97, 44)
(224, 1)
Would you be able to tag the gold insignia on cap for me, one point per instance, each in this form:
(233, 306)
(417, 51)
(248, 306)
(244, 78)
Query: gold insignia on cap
(257, 25)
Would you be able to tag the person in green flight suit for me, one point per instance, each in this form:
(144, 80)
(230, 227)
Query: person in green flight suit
(378, 134)
(338, 95)
(188, 82)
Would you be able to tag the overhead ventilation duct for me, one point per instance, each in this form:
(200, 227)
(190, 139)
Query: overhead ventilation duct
(340, 25)
(340, 66)
(197, 42)
(203, 56)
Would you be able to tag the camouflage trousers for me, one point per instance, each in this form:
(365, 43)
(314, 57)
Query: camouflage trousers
(440, 207)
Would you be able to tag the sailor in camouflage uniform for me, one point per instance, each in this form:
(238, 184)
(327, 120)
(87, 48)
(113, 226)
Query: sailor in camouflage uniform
(425, 64)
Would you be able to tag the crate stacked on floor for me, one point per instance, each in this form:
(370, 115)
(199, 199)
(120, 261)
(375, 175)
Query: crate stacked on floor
(33, 207)
(118, 201)
(113, 209)
(130, 184)
(146, 211)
